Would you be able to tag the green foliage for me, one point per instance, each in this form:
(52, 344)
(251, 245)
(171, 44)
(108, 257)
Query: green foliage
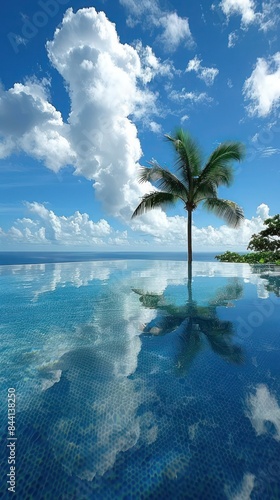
(194, 181)
(154, 200)
(267, 240)
(228, 210)
(266, 245)
(230, 257)
(250, 258)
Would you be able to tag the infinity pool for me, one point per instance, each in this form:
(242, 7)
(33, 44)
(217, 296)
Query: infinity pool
(131, 384)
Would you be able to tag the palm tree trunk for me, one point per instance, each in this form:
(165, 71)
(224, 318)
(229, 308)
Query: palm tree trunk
(189, 236)
(189, 247)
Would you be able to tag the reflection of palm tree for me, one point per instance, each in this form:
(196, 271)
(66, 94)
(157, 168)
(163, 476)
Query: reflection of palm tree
(193, 323)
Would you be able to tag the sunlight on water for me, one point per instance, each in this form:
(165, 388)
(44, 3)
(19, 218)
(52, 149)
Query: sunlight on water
(131, 383)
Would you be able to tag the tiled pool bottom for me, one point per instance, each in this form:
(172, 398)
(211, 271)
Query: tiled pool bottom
(129, 385)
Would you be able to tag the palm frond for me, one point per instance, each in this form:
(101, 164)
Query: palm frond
(218, 167)
(154, 200)
(189, 156)
(226, 209)
(163, 179)
(204, 190)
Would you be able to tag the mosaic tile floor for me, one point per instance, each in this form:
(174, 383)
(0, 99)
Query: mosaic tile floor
(131, 385)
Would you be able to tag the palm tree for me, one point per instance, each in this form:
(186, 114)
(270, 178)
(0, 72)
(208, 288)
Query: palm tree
(195, 183)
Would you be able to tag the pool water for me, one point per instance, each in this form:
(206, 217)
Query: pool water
(131, 384)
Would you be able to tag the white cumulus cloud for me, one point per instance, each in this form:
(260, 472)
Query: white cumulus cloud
(175, 30)
(171, 231)
(266, 19)
(48, 228)
(270, 16)
(151, 65)
(232, 39)
(184, 118)
(262, 88)
(244, 8)
(193, 97)
(263, 211)
(154, 229)
(30, 123)
(139, 8)
(155, 127)
(106, 81)
(208, 75)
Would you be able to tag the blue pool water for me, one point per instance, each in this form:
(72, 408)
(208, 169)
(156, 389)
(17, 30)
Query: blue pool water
(131, 384)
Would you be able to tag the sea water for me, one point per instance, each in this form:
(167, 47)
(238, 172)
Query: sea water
(11, 258)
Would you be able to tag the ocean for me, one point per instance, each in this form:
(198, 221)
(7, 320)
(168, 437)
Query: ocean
(15, 258)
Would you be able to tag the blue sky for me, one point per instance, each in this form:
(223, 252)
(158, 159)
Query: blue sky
(88, 90)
